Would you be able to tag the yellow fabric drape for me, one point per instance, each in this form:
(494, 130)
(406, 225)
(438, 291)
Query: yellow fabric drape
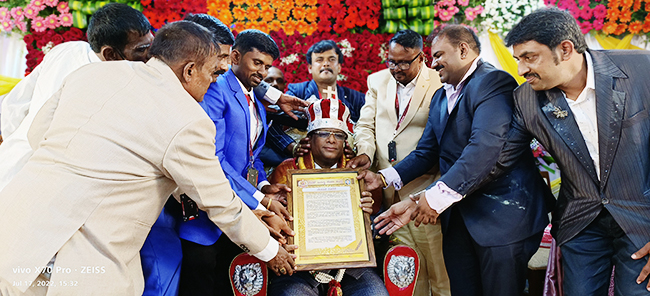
(508, 63)
(609, 42)
(7, 84)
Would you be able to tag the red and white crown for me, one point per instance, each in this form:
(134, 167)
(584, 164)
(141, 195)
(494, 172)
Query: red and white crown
(329, 113)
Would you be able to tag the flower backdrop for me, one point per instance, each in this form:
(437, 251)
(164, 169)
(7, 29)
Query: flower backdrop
(361, 27)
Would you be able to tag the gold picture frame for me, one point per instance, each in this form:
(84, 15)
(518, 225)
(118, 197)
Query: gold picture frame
(332, 231)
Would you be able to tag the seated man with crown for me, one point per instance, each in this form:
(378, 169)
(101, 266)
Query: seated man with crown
(328, 129)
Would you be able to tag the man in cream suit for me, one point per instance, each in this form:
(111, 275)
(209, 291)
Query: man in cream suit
(110, 147)
(392, 120)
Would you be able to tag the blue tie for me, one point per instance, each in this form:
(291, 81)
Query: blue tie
(443, 112)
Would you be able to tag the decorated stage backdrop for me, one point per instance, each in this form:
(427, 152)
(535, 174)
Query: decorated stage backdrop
(360, 27)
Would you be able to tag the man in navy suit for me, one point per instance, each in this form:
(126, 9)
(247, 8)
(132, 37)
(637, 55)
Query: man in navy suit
(325, 60)
(489, 234)
(240, 118)
(589, 108)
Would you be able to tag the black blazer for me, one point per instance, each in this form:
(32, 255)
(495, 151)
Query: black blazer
(622, 104)
(467, 145)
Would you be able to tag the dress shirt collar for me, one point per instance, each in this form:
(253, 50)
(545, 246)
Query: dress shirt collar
(450, 88)
(591, 82)
(414, 80)
(249, 93)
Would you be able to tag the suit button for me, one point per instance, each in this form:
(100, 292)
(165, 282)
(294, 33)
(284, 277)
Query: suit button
(605, 201)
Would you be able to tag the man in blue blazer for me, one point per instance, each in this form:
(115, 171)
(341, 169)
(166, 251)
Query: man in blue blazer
(590, 110)
(325, 60)
(240, 119)
(489, 234)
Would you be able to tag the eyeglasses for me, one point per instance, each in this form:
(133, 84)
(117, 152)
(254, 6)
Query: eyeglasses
(403, 65)
(337, 135)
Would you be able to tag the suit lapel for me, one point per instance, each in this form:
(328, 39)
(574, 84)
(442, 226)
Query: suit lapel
(391, 94)
(238, 93)
(312, 89)
(609, 109)
(421, 88)
(566, 127)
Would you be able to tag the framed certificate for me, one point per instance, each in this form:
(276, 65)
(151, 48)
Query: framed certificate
(331, 229)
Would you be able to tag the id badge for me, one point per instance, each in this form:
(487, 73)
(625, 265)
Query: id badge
(392, 151)
(189, 207)
(251, 176)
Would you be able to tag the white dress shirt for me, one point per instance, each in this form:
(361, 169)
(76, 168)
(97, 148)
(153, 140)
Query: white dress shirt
(22, 104)
(405, 93)
(255, 132)
(584, 112)
(440, 196)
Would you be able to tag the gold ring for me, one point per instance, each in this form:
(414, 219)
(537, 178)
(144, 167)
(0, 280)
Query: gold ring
(372, 202)
(283, 271)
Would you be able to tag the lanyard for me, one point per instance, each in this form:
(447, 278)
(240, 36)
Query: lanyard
(252, 141)
(401, 118)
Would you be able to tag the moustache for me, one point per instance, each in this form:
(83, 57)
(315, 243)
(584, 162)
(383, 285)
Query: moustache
(437, 68)
(532, 75)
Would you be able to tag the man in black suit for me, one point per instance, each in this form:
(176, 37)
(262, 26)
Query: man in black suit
(490, 233)
(589, 109)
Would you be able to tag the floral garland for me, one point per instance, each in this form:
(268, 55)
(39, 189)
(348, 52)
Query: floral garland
(364, 53)
(589, 15)
(459, 10)
(40, 42)
(38, 15)
(160, 12)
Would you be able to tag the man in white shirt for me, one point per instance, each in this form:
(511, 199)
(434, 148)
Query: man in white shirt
(391, 123)
(115, 32)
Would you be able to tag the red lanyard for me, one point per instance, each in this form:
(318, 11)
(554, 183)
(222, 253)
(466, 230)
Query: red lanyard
(251, 142)
(401, 118)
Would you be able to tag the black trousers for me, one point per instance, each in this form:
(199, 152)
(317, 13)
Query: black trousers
(205, 269)
(475, 270)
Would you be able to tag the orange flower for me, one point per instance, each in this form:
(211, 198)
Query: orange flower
(275, 25)
(268, 14)
(627, 3)
(282, 14)
(312, 2)
(637, 5)
(626, 16)
(238, 2)
(612, 14)
(609, 27)
(290, 27)
(264, 27)
(299, 13)
(311, 28)
(238, 26)
(301, 2)
(238, 13)
(647, 6)
(251, 25)
(620, 29)
(635, 27)
(226, 17)
(646, 27)
(301, 27)
(253, 13)
(613, 4)
(276, 3)
(311, 14)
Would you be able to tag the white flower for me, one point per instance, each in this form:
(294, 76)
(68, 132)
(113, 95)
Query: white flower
(47, 47)
(341, 77)
(346, 48)
(289, 59)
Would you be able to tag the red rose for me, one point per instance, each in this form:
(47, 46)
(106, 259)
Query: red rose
(40, 43)
(57, 39)
(29, 38)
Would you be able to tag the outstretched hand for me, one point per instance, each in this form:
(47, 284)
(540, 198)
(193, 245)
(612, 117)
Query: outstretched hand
(423, 213)
(395, 217)
(373, 180)
(289, 103)
(360, 161)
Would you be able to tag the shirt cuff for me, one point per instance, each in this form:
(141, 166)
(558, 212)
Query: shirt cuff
(440, 197)
(260, 185)
(269, 252)
(258, 195)
(392, 177)
(272, 95)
